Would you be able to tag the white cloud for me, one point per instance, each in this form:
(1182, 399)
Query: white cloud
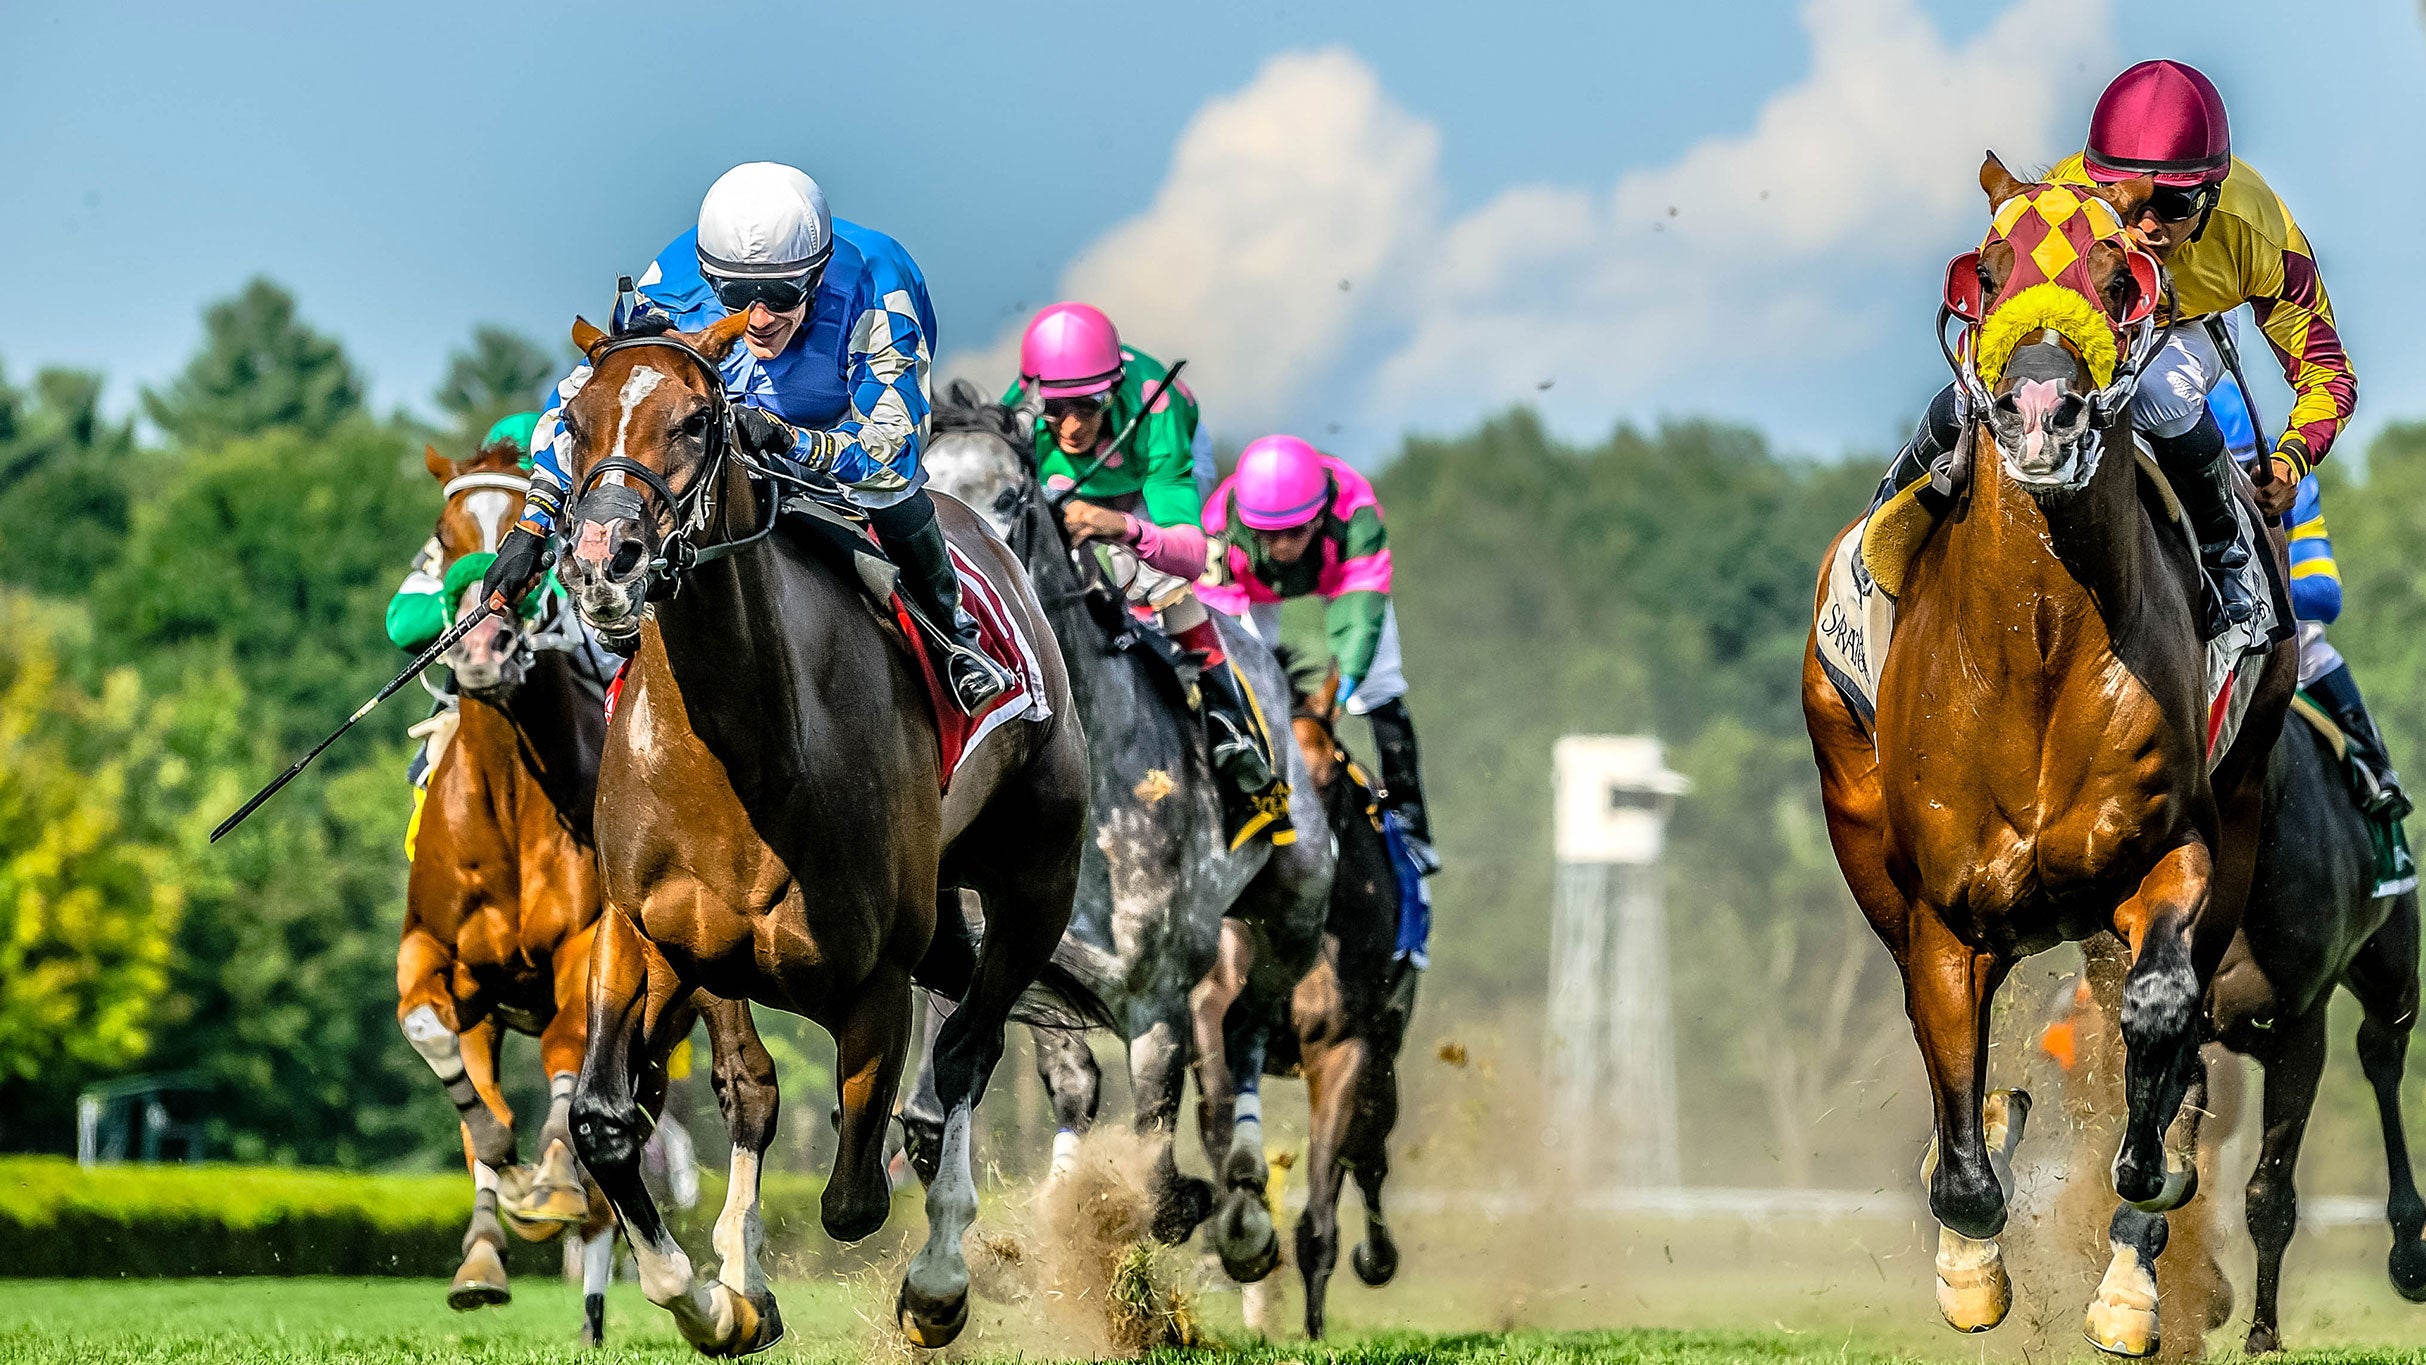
(1678, 287)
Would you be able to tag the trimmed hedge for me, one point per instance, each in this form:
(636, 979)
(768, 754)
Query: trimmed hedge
(176, 1220)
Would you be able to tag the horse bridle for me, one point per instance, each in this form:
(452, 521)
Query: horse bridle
(691, 510)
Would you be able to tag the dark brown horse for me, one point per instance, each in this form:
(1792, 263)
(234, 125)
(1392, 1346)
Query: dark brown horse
(2313, 923)
(2038, 769)
(775, 829)
(502, 904)
(1348, 1018)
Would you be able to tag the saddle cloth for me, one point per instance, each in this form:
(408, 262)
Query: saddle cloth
(1856, 618)
(835, 527)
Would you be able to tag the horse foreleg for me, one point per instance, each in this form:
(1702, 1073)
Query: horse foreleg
(744, 1077)
(2384, 976)
(1230, 1110)
(638, 1010)
(2293, 1053)
(597, 1272)
(556, 1194)
(426, 1014)
(2161, 1017)
(1947, 987)
(1074, 1084)
(873, 1039)
(1333, 1075)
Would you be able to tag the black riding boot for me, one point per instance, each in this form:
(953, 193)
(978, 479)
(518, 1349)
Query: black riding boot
(1402, 779)
(2201, 473)
(1237, 755)
(1930, 441)
(2339, 691)
(916, 544)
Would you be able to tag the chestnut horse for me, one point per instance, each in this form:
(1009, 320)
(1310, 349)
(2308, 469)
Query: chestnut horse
(2038, 770)
(502, 903)
(1348, 1018)
(775, 829)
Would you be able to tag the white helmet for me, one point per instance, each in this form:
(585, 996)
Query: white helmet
(763, 219)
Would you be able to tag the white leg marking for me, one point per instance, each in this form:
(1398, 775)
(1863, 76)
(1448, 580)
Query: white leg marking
(1248, 1132)
(484, 1176)
(598, 1262)
(739, 1233)
(1065, 1151)
(938, 1271)
(434, 1041)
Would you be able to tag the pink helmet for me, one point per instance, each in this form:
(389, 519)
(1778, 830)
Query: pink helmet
(1070, 350)
(1281, 482)
(2163, 119)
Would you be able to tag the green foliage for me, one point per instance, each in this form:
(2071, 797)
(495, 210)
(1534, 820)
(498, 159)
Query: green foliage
(501, 372)
(65, 476)
(86, 908)
(259, 369)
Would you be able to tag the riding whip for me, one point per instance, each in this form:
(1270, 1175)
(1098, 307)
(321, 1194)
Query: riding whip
(1169, 378)
(2221, 335)
(494, 606)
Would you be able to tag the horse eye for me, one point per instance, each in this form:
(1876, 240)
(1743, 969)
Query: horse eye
(2070, 410)
(696, 425)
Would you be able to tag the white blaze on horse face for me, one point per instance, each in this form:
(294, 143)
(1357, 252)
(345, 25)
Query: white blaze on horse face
(488, 509)
(637, 386)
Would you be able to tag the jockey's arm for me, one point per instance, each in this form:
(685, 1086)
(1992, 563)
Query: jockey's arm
(2288, 299)
(875, 447)
(416, 615)
(1358, 589)
(2316, 581)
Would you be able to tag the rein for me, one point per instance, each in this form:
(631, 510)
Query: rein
(691, 510)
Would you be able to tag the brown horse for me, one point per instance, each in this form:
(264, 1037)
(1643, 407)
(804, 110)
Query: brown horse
(502, 904)
(1348, 1017)
(776, 830)
(2038, 768)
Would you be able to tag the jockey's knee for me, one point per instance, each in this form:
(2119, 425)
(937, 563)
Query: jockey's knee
(1181, 611)
(1941, 425)
(2186, 444)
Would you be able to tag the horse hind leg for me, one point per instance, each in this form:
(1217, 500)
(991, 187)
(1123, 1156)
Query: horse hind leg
(1074, 1083)
(2161, 1018)
(1332, 1075)
(556, 1197)
(2384, 976)
(466, 1065)
(1230, 1109)
(597, 1272)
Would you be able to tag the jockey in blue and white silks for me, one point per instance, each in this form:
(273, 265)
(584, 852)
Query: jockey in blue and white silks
(834, 366)
(2316, 600)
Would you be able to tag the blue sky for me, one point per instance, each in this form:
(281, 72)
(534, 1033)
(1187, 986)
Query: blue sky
(1486, 183)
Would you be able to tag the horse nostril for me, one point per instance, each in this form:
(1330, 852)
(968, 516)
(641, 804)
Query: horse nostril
(626, 560)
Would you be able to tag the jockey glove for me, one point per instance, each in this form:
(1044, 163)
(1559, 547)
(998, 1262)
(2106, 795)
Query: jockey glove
(517, 567)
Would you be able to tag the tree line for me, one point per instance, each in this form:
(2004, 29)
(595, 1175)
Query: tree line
(185, 605)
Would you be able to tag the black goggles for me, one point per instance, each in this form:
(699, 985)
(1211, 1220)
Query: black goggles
(780, 294)
(2181, 203)
(1058, 408)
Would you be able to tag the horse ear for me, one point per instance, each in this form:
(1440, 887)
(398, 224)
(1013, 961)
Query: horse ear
(441, 468)
(716, 340)
(586, 337)
(1998, 182)
(2128, 196)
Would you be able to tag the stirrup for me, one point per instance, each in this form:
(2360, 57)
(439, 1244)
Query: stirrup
(1238, 757)
(973, 679)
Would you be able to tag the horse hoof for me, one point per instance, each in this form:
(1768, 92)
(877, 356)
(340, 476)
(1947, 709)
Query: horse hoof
(2122, 1318)
(480, 1283)
(1245, 1239)
(930, 1325)
(548, 1211)
(2180, 1183)
(2262, 1341)
(757, 1323)
(1180, 1208)
(1375, 1267)
(1973, 1293)
(2407, 1266)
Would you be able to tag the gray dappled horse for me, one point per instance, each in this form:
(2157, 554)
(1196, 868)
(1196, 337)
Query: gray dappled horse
(1158, 875)
(2312, 922)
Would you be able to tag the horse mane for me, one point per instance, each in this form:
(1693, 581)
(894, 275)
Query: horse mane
(964, 407)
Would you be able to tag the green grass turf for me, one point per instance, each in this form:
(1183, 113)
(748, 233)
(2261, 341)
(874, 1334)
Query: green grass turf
(391, 1322)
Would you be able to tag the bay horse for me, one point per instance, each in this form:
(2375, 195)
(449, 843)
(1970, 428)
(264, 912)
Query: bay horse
(502, 903)
(2038, 769)
(2313, 923)
(775, 829)
(1343, 1027)
(1159, 885)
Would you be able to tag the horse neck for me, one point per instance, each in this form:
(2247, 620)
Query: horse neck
(1084, 652)
(559, 715)
(2086, 548)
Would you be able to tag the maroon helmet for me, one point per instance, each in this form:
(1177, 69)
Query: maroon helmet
(2160, 119)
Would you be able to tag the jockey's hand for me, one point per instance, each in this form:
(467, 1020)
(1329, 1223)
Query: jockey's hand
(1087, 522)
(2277, 495)
(763, 433)
(517, 567)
